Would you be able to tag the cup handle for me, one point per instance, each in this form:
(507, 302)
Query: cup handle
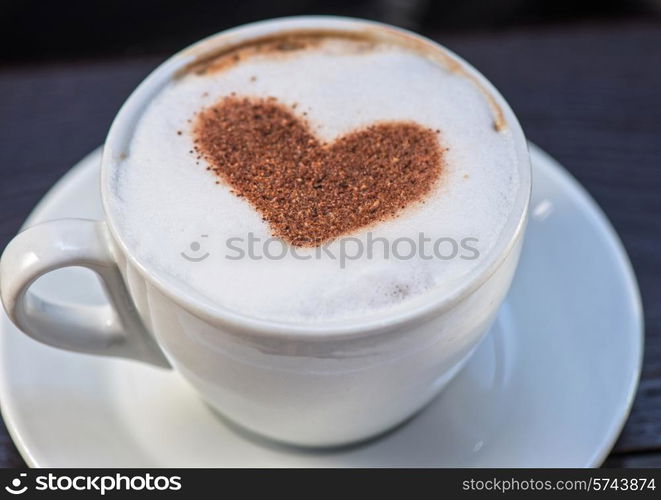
(113, 329)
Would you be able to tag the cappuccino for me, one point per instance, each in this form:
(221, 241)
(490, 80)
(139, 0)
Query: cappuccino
(317, 177)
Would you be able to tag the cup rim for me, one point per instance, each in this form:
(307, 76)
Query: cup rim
(420, 308)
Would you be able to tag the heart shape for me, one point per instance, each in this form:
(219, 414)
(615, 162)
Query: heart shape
(310, 192)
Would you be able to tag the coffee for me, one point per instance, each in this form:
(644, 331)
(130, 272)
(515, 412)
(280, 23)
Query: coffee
(314, 145)
(309, 192)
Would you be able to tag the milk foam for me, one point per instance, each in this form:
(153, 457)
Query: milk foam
(164, 201)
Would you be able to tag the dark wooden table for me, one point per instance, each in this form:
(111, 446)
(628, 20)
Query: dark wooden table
(588, 94)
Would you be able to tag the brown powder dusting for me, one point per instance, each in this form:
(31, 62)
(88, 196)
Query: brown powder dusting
(309, 192)
(279, 45)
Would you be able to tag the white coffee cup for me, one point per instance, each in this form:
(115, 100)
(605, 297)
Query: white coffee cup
(309, 384)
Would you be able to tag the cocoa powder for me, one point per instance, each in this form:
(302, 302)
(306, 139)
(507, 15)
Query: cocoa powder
(308, 191)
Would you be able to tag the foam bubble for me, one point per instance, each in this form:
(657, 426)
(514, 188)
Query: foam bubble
(171, 212)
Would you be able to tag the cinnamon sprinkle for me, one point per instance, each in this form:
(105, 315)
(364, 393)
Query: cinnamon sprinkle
(309, 192)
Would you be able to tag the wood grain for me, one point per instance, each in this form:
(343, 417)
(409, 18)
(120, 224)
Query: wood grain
(590, 95)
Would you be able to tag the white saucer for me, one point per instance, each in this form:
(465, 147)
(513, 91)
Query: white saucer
(551, 386)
